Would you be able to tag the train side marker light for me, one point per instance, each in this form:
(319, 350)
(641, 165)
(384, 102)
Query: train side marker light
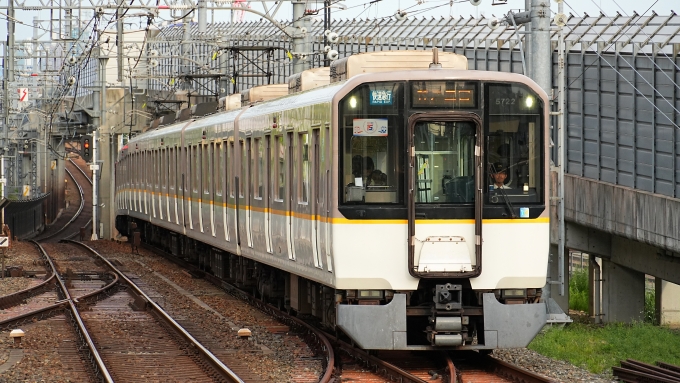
(244, 333)
(17, 335)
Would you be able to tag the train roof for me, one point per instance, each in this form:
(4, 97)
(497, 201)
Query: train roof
(327, 93)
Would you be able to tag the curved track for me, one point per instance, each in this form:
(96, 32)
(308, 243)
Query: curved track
(82, 217)
(163, 349)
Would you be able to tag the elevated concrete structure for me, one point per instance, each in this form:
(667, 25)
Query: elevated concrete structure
(635, 233)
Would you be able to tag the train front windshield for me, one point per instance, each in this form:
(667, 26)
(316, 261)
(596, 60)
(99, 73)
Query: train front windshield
(374, 124)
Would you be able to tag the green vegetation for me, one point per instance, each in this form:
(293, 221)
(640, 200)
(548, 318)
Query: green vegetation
(578, 290)
(650, 307)
(598, 348)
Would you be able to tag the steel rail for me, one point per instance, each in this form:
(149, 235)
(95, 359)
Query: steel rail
(214, 361)
(515, 373)
(7, 301)
(378, 366)
(100, 367)
(82, 195)
(45, 312)
(80, 208)
(321, 339)
(81, 171)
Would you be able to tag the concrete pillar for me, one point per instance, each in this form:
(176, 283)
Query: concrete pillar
(623, 293)
(668, 303)
(554, 276)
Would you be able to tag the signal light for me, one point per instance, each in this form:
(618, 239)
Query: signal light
(85, 150)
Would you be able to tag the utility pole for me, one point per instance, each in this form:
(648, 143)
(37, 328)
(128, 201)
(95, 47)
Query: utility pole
(561, 163)
(527, 42)
(8, 77)
(202, 16)
(541, 49)
(300, 36)
(119, 40)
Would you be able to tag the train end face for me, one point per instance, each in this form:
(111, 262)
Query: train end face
(384, 327)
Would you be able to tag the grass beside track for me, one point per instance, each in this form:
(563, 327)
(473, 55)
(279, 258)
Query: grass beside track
(597, 348)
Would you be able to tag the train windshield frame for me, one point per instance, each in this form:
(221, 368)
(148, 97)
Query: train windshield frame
(513, 121)
(373, 121)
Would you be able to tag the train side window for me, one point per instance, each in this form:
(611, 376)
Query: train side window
(181, 159)
(371, 144)
(255, 167)
(303, 167)
(157, 172)
(244, 168)
(149, 168)
(197, 168)
(280, 158)
(218, 158)
(205, 166)
(259, 168)
(171, 168)
(230, 169)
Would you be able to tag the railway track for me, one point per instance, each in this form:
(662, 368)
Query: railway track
(82, 217)
(344, 362)
(122, 334)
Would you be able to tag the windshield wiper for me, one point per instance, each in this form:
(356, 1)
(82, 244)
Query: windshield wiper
(507, 203)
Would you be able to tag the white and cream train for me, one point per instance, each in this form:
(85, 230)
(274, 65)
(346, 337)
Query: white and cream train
(371, 203)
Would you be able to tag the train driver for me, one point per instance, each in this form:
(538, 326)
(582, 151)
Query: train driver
(499, 173)
(373, 176)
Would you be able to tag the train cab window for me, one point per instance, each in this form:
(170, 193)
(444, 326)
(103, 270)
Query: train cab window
(303, 161)
(513, 145)
(445, 159)
(371, 138)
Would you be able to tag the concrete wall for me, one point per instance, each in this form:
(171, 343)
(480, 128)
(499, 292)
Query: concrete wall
(644, 217)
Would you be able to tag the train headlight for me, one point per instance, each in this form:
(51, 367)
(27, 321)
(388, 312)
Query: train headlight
(529, 101)
(352, 102)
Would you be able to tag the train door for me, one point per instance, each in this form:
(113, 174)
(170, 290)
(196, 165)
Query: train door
(279, 205)
(229, 225)
(445, 166)
(191, 170)
(206, 192)
(325, 203)
(217, 193)
(161, 179)
(153, 165)
(250, 180)
(200, 183)
(265, 170)
(147, 179)
(174, 171)
(290, 195)
(166, 184)
(315, 197)
(243, 192)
